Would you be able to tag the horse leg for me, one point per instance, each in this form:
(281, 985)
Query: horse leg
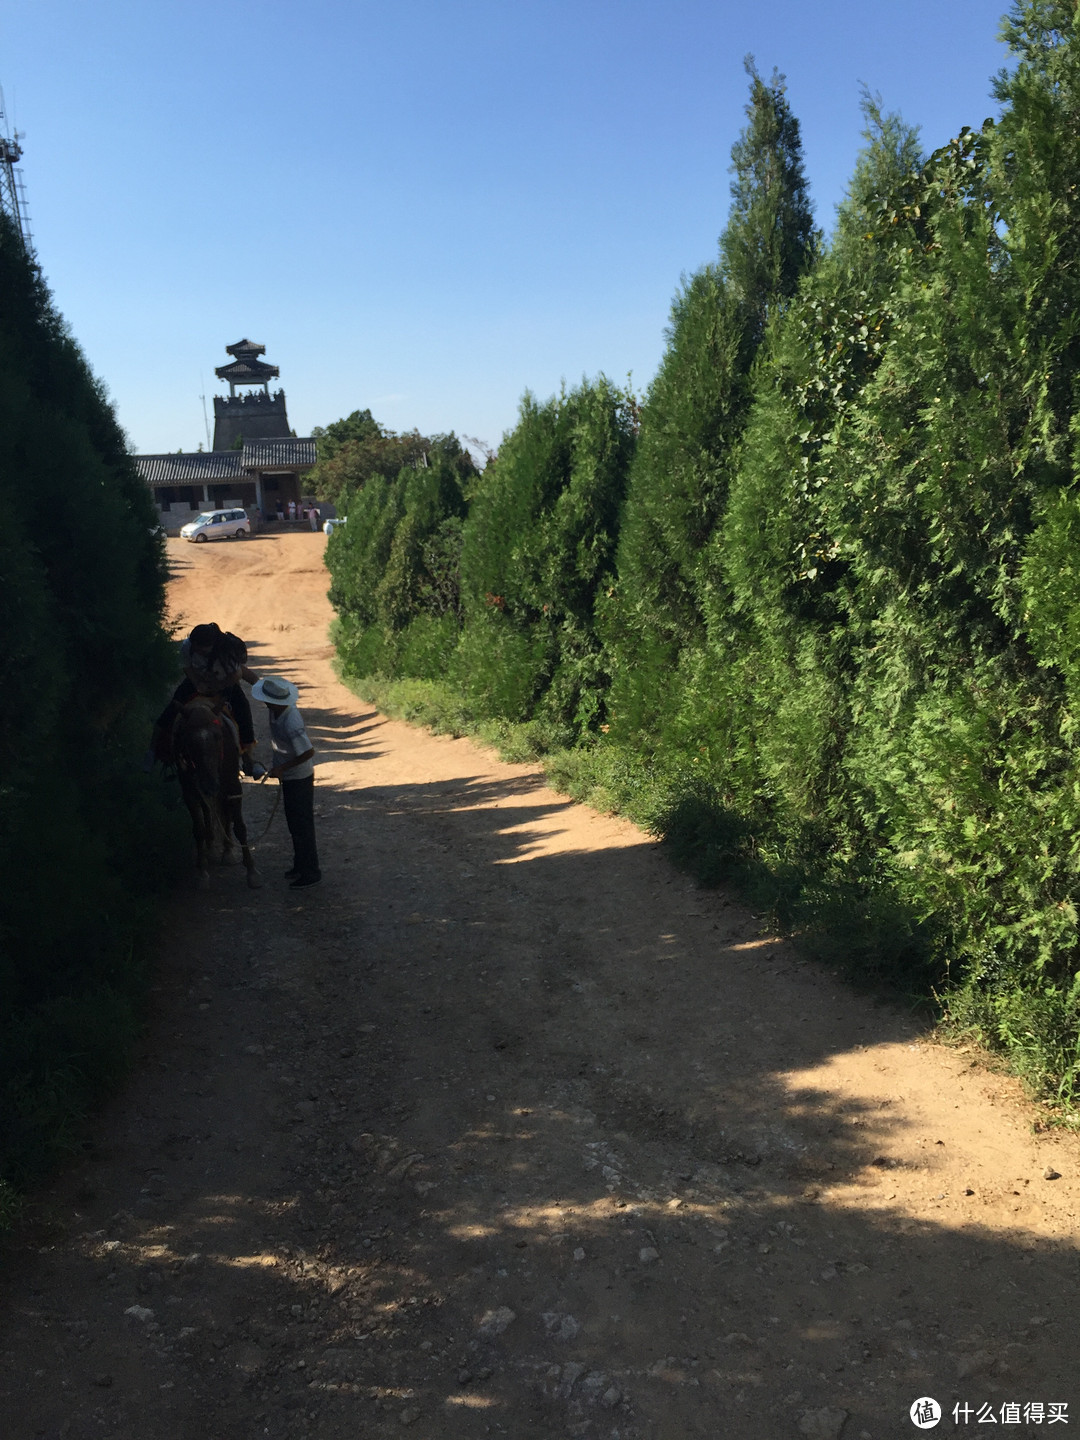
(254, 879)
(220, 819)
(199, 829)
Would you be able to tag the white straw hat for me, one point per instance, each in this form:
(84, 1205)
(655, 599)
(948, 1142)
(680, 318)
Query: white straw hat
(275, 690)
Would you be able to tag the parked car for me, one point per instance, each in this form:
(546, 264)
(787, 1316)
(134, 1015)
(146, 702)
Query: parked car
(217, 525)
(329, 526)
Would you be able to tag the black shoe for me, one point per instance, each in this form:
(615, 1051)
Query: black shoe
(302, 881)
(291, 873)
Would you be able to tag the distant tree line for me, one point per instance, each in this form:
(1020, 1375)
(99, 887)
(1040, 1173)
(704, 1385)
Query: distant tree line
(821, 590)
(83, 835)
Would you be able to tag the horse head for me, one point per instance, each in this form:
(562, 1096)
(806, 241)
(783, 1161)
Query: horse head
(199, 747)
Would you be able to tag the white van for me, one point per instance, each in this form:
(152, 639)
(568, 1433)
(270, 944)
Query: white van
(217, 525)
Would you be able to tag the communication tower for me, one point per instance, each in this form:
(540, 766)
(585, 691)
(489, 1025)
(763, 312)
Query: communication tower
(12, 187)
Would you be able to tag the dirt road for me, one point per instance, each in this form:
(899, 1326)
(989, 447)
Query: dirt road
(506, 1129)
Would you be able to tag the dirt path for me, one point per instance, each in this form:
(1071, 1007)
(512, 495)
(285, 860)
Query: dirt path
(506, 1129)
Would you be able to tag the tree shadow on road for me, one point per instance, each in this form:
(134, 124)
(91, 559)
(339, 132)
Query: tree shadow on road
(513, 1135)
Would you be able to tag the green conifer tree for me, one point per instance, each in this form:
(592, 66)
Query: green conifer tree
(538, 551)
(395, 565)
(770, 237)
(900, 542)
(780, 639)
(694, 415)
(82, 598)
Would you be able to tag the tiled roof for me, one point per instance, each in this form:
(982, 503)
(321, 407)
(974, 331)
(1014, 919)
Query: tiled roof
(262, 454)
(209, 465)
(246, 371)
(190, 469)
(245, 347)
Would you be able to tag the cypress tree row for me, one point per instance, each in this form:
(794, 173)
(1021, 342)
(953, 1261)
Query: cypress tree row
(780, 643)
(82, 579)
(836, 620)
(693, 419)
(899, 726)
(967, 439)
(538, 552)
(501, 601)
(395, 565)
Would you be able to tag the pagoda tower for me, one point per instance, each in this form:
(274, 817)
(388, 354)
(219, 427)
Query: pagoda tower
(253, 414)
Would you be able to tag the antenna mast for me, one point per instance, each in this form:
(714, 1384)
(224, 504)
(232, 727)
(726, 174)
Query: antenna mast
(12, 186)
(205, 421)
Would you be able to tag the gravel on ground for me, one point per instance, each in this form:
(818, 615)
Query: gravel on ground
(506, 1129)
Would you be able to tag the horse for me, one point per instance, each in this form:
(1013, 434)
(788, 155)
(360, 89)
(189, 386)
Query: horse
(206, 753)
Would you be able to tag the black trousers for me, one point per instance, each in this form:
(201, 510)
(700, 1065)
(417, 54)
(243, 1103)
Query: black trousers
(239, 704)
(299, 797)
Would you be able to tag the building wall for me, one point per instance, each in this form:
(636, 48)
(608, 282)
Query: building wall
(178, 497)
(177, 516)
(177, 504)
(230, 493)
(253, 417)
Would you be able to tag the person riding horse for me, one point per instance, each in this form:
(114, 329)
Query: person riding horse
(214, 661)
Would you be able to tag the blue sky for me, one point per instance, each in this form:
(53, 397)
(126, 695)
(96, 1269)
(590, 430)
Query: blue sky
(424, 208)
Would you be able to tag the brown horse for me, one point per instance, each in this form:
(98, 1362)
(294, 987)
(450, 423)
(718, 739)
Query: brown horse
(207, 757)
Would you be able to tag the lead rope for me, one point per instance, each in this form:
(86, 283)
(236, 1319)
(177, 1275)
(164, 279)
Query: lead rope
(273, 812)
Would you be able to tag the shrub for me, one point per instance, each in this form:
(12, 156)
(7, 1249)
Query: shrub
(84, 838)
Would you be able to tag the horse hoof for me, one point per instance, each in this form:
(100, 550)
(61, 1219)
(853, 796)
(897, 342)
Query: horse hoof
(202, 882)
(254, 880)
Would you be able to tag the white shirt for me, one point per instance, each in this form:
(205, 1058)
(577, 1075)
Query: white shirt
(289, 739)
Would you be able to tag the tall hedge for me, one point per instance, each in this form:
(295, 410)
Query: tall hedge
(396, 563)
(693, 419)
(82, 579)
(538, 556)
(492, 582)
(841, 630)
(897, 543)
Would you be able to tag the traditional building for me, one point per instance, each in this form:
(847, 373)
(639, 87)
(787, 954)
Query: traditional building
(256, 461)
(254, 416)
